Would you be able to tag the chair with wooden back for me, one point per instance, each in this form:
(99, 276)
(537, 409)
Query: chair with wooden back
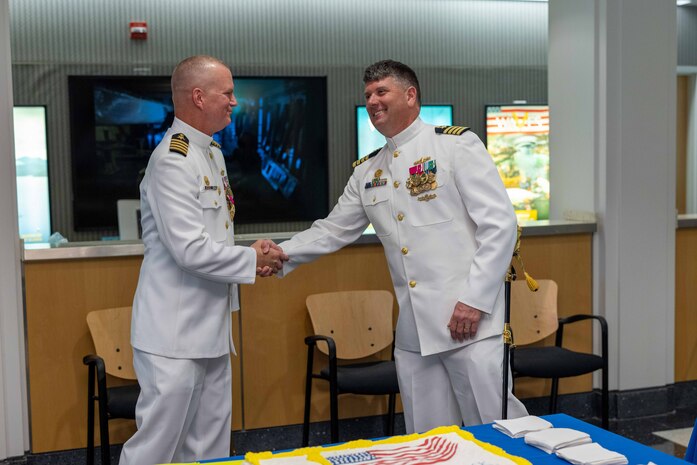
(111, 333)
(351, 326)
(533, 318)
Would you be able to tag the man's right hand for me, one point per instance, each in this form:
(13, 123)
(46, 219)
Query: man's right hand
(270, 257)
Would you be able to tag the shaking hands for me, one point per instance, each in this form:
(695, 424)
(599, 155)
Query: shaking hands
(270, 257)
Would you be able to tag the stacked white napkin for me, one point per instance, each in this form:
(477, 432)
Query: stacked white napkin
(519, 427)
(550, 440)
(591, 454)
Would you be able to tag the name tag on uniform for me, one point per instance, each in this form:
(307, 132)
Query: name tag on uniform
(210, 188)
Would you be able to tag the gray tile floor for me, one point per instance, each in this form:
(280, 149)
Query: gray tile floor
(642, 429)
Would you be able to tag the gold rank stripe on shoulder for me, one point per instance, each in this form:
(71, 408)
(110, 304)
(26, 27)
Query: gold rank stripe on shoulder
(367, 157)
(452, 130)
(179, 144)
(215, 144)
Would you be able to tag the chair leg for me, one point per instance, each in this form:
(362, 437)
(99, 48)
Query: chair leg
(104, 433)
(334, 410)
(392, 400)
(104, 423)
(553, 396)
(90, 416)
(308, 397)
(605, 402)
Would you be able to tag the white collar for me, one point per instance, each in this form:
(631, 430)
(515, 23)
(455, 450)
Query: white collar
(405, 136)
(195, 136)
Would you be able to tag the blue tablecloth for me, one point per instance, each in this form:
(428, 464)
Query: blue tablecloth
(637, 454)
(691, 453)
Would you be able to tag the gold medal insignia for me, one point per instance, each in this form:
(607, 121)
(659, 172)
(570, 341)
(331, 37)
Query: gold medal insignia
(422, 176)
(229, 198)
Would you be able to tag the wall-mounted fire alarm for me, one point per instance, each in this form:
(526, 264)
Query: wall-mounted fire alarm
(139, 30)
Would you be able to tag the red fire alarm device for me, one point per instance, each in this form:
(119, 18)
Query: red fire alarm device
(139, 30)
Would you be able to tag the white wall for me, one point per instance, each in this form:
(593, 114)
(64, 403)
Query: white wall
(13, 402)
(571, 93)
(468, 53)
(640, 91)
(612, 87)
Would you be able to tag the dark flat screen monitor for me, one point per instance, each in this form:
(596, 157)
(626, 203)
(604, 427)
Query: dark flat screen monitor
(368, 138)
(275, 148)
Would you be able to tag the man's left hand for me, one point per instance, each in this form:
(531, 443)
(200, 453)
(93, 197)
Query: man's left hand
(464, 322)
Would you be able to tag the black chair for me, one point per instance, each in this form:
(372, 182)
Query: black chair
(110, 330)
(533, 318)
(351, 325)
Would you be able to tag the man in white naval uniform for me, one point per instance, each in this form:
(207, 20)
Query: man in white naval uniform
(181, 332)
(440, 209)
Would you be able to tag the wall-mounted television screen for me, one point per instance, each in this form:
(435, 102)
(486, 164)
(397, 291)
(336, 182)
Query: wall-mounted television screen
(275, 148)
(517, 137)
(368, 138)
(31, 158)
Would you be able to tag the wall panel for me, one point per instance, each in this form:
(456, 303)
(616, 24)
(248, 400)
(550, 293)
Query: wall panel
(468, 53)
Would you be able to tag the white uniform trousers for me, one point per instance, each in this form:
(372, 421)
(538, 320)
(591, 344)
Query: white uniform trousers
(183, 412)
(454, 387)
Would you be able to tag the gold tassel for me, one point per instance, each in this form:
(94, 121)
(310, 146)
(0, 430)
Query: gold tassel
(532, 284)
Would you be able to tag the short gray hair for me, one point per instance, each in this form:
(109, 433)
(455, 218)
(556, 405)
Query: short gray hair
(192, 68)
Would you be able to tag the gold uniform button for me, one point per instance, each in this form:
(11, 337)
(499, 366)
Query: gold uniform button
(412, 283)
(396, 184)
(227, 225)
(210, 154)
(405, 251)
(400, 217)
(219, 191)
(216, 203)
(396, 154)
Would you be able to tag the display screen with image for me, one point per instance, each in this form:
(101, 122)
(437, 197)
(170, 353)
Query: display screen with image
(275, 149)
(31, 158)
(517, 137)
(368, 138)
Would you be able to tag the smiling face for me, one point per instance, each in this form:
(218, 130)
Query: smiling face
(203, 93)
(392, 106)
(219, 98)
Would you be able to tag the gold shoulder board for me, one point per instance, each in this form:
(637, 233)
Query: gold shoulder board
(452, 130)
(367, 157)
(179, 144)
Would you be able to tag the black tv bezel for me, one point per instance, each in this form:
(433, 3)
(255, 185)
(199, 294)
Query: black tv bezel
(80, 136)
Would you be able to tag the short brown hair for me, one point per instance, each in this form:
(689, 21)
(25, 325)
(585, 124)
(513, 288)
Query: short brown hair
(390, 68)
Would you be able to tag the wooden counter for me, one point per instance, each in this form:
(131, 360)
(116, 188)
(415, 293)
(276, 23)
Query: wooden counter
(685, 302)
(62, 286)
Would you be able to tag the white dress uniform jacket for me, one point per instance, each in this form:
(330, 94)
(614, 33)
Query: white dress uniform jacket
(449, 244)
(186, 286)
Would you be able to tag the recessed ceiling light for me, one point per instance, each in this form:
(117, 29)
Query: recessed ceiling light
(683, 2)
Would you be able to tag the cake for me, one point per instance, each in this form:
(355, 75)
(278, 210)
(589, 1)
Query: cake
(447, 445)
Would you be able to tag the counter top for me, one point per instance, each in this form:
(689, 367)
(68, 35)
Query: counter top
(106, 249)
(687, 221)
